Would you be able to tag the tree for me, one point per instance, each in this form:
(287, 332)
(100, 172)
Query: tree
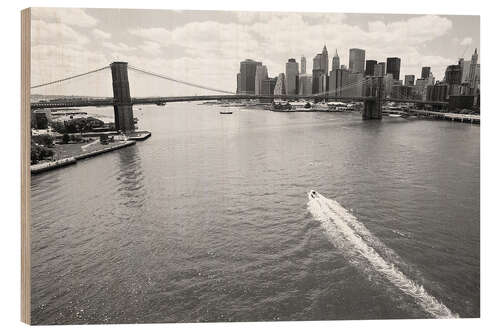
(65, 138)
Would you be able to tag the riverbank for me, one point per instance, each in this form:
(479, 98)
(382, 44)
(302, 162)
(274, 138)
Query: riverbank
(69, 154)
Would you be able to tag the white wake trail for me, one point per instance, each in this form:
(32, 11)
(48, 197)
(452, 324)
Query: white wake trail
(351, 237)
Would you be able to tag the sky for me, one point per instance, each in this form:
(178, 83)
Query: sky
(206, 47)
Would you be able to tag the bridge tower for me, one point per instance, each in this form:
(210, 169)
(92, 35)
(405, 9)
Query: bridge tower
(374, 92)
(124, 116)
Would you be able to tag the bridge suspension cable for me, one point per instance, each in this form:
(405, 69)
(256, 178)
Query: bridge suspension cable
(195, 85)
(69, 78)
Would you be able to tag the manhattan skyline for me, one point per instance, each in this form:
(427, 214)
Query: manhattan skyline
(203, 47)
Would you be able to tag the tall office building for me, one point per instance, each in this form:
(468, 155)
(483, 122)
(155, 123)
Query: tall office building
(338, 80)
(260, 76)
(474, 73)
(317, 61)
(279, 88)
(370, 67)
(247, 76)
(379, 69)
(292, 76)
(305, 84)
(393, 67)
(335, 61)
(268, 86)
(357, 60)
(425, 72)
(465, 65)
(409, 80)
(238, 83)
(303, 65)
(316, 80)
(324, 60)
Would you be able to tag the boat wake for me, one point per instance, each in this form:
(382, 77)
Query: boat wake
(357, 244)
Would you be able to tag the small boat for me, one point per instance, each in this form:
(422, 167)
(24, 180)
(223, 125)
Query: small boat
(226, 112)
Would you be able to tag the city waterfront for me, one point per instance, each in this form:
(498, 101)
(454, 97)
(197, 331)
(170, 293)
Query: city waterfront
(208, 220)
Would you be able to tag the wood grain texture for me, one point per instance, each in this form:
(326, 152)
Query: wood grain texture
(25, 163)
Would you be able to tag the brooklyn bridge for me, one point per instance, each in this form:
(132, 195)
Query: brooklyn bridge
(373, 95)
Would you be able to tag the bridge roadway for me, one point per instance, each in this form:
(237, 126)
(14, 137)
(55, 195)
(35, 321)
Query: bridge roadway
(160, 100)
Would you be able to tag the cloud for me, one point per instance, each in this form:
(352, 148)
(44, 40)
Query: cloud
(209, 52)
(99, 34)
(56, 34)
(70, 16)
(118, 47)
(466, 41)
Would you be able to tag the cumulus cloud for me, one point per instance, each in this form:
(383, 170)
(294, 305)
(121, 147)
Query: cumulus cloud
(99, 34)
(71, 16)
(209, 52)
(43, 32)
(466, 41)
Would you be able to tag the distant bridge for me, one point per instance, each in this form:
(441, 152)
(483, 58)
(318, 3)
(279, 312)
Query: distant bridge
(372, 87)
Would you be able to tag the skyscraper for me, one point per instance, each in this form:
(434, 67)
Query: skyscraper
(260, 76)
(268, 86)
(247, 76)
(338, 80)
(370, 67)
(473, 72)
(335, 61)
(379, 69)
(279, 88)
(238, 83)
(317, 61)
(303, 65)
(425, 72)
(324, 60)
(357, 60)
(292, 76)
(305, 84)
(393, 67)
(409, 80)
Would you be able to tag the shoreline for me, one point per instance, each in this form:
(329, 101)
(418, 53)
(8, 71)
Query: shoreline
(63, 162)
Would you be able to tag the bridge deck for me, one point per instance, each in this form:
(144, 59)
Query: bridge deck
(160, 100)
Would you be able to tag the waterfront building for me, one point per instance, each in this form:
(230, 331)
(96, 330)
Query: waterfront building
(268, 86)
(425, 72)
(357, 60)
(370, 67)
(303, 65)
(379, 69)
(409, 80)
(335, 61)
(279, 88)
(260, 76)
(292, 77)
(388, 80)
(305, 84)
(438, 92)
(402, 91)
(393, 66)
(247, 76)
(465, 65)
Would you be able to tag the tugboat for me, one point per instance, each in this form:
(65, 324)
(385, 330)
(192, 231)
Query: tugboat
(226, 112)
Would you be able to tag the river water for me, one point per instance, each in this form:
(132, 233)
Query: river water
(210, 220)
